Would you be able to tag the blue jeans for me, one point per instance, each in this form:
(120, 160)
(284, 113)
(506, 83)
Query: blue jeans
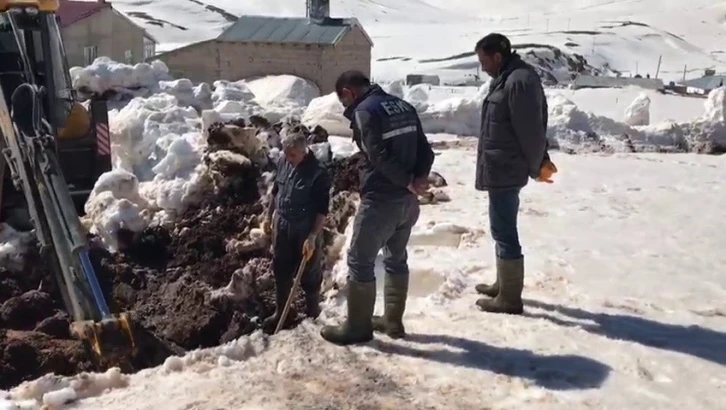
(386, 225)
(503, 210)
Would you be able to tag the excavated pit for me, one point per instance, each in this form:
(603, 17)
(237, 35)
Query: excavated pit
(205, 282)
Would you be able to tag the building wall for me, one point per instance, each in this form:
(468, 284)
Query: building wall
(353, 52)
(112, 34)
(198, 62)
(244, 60)
(212, 60)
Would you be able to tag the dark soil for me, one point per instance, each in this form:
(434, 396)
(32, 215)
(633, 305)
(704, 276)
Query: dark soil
(167, 280)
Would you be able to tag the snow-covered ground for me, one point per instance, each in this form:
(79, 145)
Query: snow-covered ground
(628, 36)
(625, 309)
(625, 284)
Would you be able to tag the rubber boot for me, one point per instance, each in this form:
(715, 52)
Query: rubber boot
(489, 290)
(312, 304)
(358, 327)
(395, 292)
(282, 291)
(509, 299)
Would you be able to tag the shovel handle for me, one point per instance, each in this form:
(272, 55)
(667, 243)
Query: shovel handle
(293, 290)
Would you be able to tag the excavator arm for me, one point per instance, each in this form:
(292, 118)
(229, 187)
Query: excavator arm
(29, 148)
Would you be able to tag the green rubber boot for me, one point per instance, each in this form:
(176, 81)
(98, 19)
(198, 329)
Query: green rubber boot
(395, 292)
(358, 327)
(509, 299)
(489, 290)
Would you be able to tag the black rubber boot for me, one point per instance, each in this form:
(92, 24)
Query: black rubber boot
(357, 327)
(395, 292)
(509, 299)
(312, 304)
(282, 291)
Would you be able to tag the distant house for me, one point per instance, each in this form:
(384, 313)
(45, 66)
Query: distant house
(588, 81)
(705, 84)
(93, 29)
(317, 48)
(413, 79)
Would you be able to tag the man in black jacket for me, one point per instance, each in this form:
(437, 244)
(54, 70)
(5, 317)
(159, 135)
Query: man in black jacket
(512, 148)
(295, 217)
(399, 159)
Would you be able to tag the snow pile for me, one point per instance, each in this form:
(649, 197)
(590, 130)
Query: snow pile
(13, 245)
(275, 89)
(231, 91)
(107, 75)
(55, 392)
(394, 88)
(187, 94)
(638, 112)
(715, 105)
(709, 131)
(158, 170)
(274, 97)
(453, 115)
(418, 96)
(142, 131)
(327, 112)
(283, 95)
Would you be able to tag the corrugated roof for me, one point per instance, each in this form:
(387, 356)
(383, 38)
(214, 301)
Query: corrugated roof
(287, 30)
(706, 83)
(589, 81)
(70, 11)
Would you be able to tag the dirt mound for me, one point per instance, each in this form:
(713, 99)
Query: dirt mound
(203, 283)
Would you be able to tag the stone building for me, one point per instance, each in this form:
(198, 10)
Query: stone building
(317, 48)
(93, 29)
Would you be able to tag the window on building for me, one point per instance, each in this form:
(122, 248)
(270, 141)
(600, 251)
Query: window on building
(149, 48)
(90, 53)
(129, 57)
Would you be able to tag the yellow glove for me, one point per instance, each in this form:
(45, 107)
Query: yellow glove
(546, 171)
(308, 248)
(266, 226)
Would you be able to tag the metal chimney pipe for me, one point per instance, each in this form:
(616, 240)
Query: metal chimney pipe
(318, 10)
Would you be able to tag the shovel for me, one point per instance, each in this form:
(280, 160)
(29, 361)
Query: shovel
(291, 297)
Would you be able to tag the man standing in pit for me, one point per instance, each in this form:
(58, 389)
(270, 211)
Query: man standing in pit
(512, 149)
(295, 217)
(399, 159)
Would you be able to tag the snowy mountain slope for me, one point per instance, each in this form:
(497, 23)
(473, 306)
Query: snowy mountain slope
(626, 35)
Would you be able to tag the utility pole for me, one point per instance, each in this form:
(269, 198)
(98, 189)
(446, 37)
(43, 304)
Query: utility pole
(657, 70)
(684, 71)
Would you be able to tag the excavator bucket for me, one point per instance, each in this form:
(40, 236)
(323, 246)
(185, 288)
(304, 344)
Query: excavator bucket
(110, 340)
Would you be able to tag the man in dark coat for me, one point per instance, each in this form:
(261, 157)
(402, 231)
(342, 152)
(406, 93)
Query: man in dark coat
(295, 217)
(399, 159)
(512, 148)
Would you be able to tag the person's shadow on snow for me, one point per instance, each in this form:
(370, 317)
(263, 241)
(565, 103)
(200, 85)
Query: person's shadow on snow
(693, 340)
(554, 372)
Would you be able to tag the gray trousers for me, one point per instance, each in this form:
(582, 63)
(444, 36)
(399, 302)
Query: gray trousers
(381, 225)
(288, 243)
